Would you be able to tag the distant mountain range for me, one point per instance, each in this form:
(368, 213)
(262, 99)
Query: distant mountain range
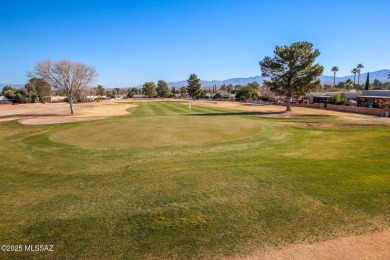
(381, 75)
(12, 85)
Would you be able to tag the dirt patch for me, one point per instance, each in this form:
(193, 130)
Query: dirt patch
(328, 124)
(55, 113)
(369, 246)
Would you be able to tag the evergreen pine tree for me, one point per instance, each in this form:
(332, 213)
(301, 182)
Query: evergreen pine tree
(162, 89)
(194, 86)
(367, 81)
(292, 71)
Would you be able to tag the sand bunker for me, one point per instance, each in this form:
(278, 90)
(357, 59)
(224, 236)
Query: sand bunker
(55, 113)
(369, 246)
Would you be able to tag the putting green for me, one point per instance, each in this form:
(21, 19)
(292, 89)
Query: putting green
(158, 131)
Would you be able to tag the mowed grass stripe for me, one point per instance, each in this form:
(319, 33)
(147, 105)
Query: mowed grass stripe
(172, 108)
(210, 110)
(162, 108)
(176, 107)
(158, 108)
(142, 109)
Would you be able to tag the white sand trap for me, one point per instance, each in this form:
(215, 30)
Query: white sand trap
(55, 113)
(372, 246)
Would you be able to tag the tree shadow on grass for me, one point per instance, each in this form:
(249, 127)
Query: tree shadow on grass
(28, 115)
(238, 114)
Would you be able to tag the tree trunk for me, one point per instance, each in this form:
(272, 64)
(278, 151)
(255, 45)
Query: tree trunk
(334, 80)
(41, 99)
(288, 105)
(70, 99)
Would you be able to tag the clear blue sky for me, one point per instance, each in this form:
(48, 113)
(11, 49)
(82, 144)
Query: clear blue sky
(130, 42)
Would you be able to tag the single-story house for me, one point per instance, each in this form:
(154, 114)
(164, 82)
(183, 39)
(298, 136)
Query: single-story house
(232, 97)
(139, 96)
(93, 98)
(373, 98)
(5, 100)
(55, 98)
(120, 96)
(225, 96)
(323, 97)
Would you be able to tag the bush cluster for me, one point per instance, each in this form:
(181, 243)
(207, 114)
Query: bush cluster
(337, 100)
(22, 95)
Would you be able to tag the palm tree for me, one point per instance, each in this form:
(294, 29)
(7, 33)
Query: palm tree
(359, 67)
(348, 83)
(389, 75)
(354, 71)
(334, 69)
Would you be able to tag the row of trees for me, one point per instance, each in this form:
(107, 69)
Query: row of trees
(149, 89)
(35, 90)
(348, 84)
(354, 71)
(291, 72)
(194, 90)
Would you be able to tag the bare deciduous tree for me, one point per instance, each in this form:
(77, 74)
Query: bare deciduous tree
(66, 76)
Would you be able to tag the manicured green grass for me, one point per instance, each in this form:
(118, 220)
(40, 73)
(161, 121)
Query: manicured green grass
(231, 183)
(155, 131)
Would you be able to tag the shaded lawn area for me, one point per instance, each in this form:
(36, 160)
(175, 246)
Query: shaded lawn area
(225, 191)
